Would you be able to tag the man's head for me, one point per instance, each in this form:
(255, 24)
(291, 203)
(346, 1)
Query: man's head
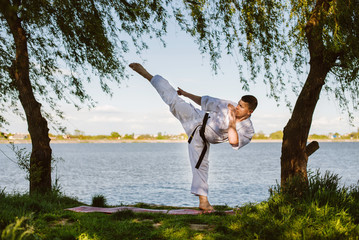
(246, 106)
(251, 101)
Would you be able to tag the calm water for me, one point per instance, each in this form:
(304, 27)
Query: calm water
(159, 173)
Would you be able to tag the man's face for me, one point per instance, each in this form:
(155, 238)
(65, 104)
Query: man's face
(242, 110)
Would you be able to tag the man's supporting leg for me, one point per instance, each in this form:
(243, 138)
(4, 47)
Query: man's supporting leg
(199, 176)
(204, 204)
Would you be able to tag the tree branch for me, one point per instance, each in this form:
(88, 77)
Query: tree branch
(311, 148)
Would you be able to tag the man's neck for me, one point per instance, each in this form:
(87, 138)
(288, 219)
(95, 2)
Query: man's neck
(242, 119)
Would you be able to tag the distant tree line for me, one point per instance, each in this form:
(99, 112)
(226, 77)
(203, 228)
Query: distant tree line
(278, 135)
(115, 135)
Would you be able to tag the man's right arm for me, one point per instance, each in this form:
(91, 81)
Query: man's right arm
(194, 98)
(232, 131)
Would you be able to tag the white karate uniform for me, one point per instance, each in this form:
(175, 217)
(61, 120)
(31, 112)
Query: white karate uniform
(216, 130)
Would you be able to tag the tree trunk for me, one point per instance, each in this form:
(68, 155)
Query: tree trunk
(294, 156)
(40, 161)
(294, 152)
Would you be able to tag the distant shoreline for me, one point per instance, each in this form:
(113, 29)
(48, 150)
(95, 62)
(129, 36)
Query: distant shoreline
(55, 141)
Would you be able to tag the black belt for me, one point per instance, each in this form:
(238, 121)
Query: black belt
(201, 133)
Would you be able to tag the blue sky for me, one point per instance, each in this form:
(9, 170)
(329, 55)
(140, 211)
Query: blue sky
(136, 108)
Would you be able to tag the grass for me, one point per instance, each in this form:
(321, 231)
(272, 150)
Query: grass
(98, 201)
(324, 211)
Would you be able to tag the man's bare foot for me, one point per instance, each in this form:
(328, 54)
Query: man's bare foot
(141, 70)
(204, 204)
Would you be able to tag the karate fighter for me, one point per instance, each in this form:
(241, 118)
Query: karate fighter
(218, 121)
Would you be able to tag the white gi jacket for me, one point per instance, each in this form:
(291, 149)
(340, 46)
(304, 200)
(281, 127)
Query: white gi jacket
(217, 125)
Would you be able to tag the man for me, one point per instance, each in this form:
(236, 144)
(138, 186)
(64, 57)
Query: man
(218, 121)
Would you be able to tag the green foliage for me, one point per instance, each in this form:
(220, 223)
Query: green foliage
(276, 135)
(145, 137)
(18, 230)
(16, 205)
(349, 136)
(115, 135)
(272, 37)
(69, 42)
(129, 136)
(3, 135)
(260, 135)
(123, 215)
(324, 211)
(23, 158)
(85, 236)
(251, 30)
(317, 136)
(99, 201)
(78, 133)
(160, 136)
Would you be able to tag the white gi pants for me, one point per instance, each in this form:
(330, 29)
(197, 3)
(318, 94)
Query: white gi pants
(190, 117)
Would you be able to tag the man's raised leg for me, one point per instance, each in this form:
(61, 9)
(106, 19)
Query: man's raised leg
(141, 70)
(188, 115)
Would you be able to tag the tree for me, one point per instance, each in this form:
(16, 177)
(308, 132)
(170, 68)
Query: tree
(78, 133)
(276, 135)
(39, 39)
(260, 135)
(160, 136)
(129, 136)
(115, 135)
(318, 38)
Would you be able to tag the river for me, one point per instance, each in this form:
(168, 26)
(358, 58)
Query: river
(159, 173)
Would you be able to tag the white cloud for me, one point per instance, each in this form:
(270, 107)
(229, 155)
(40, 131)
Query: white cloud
(325, 121)
(104, 119)
(106, 109)
(269, 123)
(326, 124)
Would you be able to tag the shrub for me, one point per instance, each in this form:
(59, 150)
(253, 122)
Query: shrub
(322, 210)
(98, 201)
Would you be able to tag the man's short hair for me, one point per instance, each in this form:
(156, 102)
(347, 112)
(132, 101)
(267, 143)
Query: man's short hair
(251, 100)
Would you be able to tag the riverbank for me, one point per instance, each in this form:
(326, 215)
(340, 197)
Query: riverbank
(24, 141)
(54, 141)
(324, 211)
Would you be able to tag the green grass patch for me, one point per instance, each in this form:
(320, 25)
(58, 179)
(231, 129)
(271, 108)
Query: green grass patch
(323, 211)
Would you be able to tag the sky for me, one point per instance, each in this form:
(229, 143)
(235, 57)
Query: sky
(135, 106)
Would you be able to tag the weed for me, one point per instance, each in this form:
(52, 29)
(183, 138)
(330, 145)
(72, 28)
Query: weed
(99, 201)
(123, 215)
(18, 230)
